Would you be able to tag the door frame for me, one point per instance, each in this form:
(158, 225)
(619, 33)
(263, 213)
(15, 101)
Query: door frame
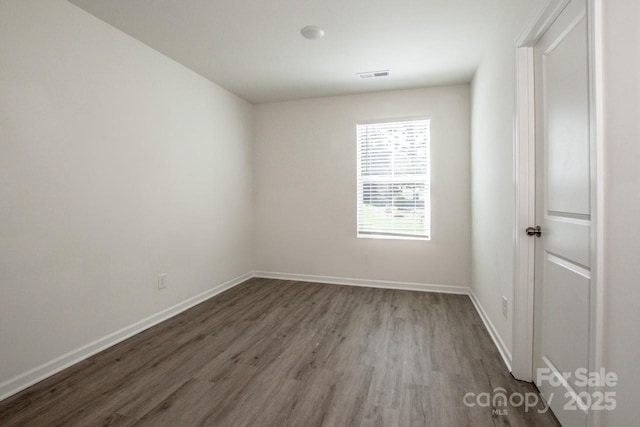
(525, 188)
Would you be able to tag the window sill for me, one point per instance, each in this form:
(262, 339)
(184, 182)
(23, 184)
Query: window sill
(384, 237)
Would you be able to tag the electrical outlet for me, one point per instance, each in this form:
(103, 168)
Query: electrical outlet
(162, 280)
(505, 306)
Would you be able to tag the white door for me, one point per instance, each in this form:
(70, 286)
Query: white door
(563, 285)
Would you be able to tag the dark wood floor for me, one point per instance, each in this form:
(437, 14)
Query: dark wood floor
(273, 352)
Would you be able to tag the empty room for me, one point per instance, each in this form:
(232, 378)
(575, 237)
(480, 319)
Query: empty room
(319, 213)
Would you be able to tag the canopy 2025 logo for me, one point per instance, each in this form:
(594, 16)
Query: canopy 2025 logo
(595, 400)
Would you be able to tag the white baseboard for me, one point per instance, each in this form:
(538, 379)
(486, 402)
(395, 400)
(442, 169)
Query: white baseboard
(493, 332)
(35, 375)
(368, 283)
(22, 381)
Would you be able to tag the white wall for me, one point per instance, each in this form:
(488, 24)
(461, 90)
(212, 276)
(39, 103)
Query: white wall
(493, 197)
(305, 184)
(492, 173)
(116, 164)
(622, 187)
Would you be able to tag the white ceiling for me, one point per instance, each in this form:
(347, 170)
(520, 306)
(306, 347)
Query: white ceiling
(254, 48)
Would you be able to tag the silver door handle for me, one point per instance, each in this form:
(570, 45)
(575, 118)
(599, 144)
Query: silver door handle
(534, 231)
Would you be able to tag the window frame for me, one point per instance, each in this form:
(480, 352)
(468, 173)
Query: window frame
(428, 210)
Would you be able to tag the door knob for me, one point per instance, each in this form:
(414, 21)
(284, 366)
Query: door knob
(534, 231)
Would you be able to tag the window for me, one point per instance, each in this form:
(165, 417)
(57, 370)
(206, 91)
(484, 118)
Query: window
(393, 179)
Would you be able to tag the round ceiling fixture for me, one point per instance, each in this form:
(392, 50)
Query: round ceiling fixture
(312, 32)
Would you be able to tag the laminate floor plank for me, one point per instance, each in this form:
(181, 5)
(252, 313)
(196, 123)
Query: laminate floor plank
(377, 416)
(285, 353)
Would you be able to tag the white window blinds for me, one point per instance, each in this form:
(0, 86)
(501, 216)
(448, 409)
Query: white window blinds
(393, 179)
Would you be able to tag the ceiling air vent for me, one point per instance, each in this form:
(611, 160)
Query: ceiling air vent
(373, 74)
